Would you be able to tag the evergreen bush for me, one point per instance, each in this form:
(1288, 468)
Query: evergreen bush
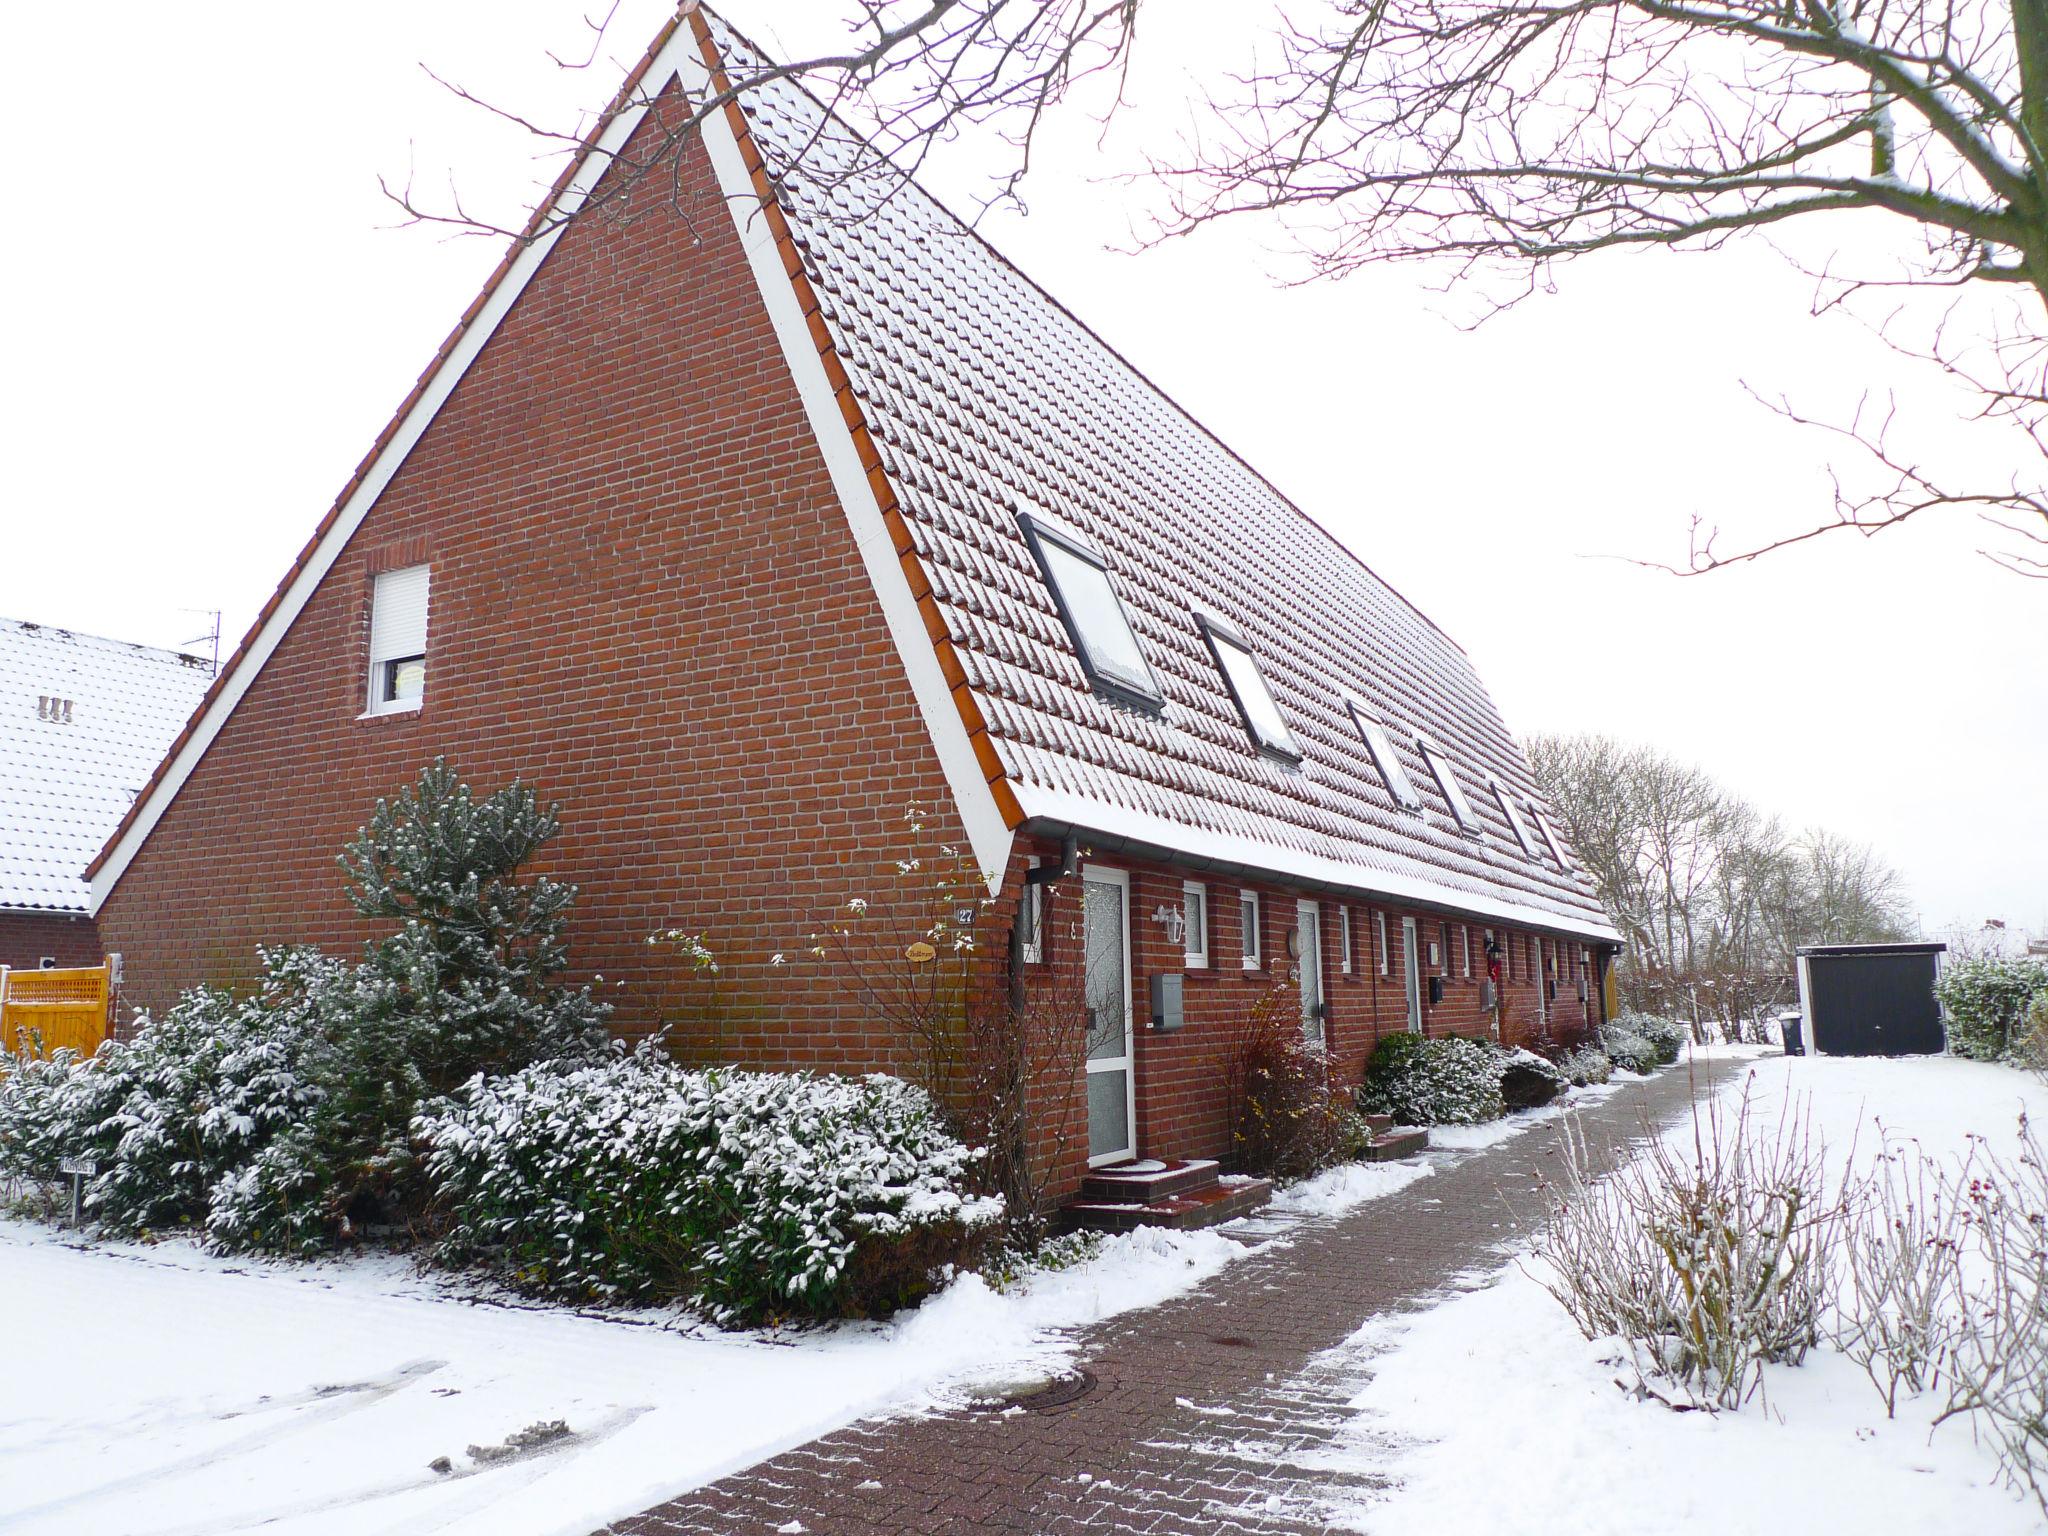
(1985, 999)
(1627, 1050)
(1422, 1081)
(1586, 1066)
(755, 1196)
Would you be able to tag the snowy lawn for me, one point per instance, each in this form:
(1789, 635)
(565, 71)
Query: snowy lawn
(1494, 1415)
(158, 1390)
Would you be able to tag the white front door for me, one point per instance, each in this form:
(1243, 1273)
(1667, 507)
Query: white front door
(1411, 974)
(1309, 941)
(1112, 1098)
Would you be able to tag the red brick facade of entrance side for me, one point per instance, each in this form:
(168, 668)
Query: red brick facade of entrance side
(1181, 1077)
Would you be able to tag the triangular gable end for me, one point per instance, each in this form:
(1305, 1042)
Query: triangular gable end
(683, 56)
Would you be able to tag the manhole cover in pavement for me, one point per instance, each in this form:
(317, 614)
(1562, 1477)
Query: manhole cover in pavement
(1037, 1396)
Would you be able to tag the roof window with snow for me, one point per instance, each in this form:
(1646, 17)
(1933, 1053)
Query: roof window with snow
(1255, 702)
(1550, 837)
(1384, 758)
(1447, 781)
(1507, 809)
(1093, 614)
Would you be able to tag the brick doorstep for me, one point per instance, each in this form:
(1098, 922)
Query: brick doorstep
(1156, 1455)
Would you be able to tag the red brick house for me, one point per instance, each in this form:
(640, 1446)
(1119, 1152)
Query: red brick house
(83, 720)
(737, 514)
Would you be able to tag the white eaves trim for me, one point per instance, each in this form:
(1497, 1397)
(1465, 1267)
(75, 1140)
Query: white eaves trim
(1286, 863)
(989, 837)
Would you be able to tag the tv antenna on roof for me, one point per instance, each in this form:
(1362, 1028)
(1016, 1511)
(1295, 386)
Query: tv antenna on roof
(212, 636)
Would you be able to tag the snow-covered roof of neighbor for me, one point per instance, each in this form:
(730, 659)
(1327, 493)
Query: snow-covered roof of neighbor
(83, 722)
(986, 398)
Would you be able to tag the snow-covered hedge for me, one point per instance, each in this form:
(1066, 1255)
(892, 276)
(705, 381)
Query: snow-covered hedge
(1665, 1036)
(1627, 1050)
(1985, 998)
(1586, 1065)
(753, 1195)
(1448, 1081)
(171, 1114)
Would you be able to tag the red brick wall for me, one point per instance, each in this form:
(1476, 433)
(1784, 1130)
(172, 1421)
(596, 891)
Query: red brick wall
(26, 937)
(1182, 1099)
(645, 600)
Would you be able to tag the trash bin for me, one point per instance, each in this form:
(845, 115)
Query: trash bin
(1789, 1027)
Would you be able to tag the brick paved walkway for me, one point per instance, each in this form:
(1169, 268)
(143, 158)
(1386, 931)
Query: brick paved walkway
(1209, 1410)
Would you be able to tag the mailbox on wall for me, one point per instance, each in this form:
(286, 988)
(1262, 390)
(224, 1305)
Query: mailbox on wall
(1167, 1014)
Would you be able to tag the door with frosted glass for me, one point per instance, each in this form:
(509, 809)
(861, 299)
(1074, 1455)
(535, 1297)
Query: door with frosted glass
(1411, 971)
(1308, 928)
(1111, 1100)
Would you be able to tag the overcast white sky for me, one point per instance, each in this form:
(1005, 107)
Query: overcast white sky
(210, 316)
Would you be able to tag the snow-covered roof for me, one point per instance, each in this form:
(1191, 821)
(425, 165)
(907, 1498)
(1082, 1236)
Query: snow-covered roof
(984, 398)
(83, 722)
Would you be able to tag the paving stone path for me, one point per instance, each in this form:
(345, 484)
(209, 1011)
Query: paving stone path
(1209, 1411)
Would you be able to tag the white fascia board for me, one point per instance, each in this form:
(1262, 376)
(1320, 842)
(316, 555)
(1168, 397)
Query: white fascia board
(989, 837)
(1283, 864)
(410, 431)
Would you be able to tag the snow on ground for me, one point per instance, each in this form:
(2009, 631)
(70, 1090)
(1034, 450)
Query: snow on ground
(152, 1391)
(1492, 1414)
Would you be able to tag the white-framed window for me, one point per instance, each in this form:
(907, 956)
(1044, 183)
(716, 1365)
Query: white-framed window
(1514, 817)
(1194, 898)
(1344, 959)
(1380, 746)
(398, 641)
(1464, 951)
(1031, 921)
(1093, 614)
(1255, 702)
(1379, 939)
(1549, 836)
(1248, 928)
(1447, 781)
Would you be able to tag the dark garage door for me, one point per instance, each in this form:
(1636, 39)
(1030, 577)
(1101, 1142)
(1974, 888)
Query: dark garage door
(1873, 1002)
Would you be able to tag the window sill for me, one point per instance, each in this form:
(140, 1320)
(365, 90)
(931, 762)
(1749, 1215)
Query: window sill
(395, 712)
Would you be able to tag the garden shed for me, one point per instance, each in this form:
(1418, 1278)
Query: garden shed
(1870, 999)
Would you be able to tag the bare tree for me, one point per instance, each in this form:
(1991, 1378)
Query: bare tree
(1506, 136)
(1710, 894)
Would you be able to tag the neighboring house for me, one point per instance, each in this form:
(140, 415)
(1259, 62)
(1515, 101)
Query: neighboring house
(737, 516)
(82, 722)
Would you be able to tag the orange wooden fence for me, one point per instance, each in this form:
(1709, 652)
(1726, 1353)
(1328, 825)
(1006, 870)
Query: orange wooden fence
(41, 1011)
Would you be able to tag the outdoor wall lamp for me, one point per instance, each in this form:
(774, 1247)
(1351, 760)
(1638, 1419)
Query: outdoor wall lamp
(1174, 920)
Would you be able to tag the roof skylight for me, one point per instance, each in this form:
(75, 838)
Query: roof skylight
(1255, 702)
(1447, 781)
(1093, 614)
(1507, 809)
(1550, 837)
(1384, 758)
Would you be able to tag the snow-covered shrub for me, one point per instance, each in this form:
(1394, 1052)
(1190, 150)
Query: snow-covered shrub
(1984, 999)
(1704, 1261)
(1627, 1050)
(1586, 1066)
(1529, 1081)
(1290, 1116)
(281, 1120)
(1667, 1034)
(1903, 1271)
(171, 1112)
(1422, 1081)
(753, 1195)
(2030, 1043)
